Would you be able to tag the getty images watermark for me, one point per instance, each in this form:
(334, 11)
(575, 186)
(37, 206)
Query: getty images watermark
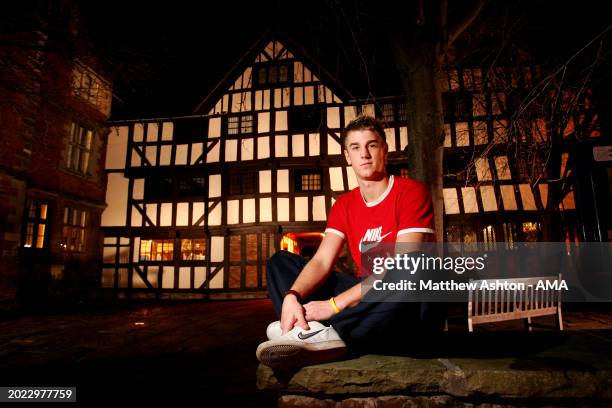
(450, 272)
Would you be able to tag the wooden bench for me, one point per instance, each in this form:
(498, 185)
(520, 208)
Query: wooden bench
(499, 304)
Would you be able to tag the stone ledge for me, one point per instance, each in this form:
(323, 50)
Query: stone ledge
(557, 365)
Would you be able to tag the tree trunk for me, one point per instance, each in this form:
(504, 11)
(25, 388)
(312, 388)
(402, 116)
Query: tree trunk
(419, 66)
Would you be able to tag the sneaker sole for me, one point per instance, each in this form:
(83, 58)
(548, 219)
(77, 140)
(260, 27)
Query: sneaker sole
(289, 354)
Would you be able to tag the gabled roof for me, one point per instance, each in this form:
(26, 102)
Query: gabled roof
(256, 49)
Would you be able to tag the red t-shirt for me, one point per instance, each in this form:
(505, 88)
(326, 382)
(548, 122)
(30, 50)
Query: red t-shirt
(404, 207)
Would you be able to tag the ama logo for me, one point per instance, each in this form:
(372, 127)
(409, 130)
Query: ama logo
(371, 239)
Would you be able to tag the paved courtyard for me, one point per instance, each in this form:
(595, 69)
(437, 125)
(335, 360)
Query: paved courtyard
(167, 351)
(141, 352)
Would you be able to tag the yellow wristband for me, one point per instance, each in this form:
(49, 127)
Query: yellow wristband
(334, 306)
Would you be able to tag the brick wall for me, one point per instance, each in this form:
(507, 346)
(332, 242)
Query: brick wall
(37, 108)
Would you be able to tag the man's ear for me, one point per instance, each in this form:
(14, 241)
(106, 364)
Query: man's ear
(346, 156)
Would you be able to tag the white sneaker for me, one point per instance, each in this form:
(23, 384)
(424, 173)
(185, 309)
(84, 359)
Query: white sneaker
(299, 347)
(274, 331)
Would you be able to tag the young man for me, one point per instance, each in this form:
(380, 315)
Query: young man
(383, 209)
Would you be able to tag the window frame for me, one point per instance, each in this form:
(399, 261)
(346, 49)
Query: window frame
(76, 149)
(91, 87)
(240, 124)
(304, 113)
(237, 183)
(36, 215)
(299, 180)
(165, 243)
(273, 76)
(74, 230)
(202, 240)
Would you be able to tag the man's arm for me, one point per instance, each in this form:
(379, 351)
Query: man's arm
(322, 310)
(314, 274)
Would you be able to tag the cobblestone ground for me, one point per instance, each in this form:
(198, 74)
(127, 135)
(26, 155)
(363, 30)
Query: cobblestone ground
(170, 351)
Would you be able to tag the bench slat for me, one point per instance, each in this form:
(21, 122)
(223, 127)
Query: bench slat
(484, 306)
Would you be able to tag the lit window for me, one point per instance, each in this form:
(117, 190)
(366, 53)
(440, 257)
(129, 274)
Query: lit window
(193, 249)
(509, 235)
(480, 133)
(502, 167)
(462, 132)
(308, 181)
(157, 250)
(79, 149)
(531, 231)
(488, 234)
(73, 230)
(500, 131)
(246, 124)
(479, 105)
(239, 125)
(36, 223)
(483, 172)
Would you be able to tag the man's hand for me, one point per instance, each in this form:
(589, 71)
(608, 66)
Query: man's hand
(292, 314)
(318, 310)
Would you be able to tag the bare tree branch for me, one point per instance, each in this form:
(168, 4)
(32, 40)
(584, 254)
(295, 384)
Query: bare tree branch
(443, 23)
(420, 15)
(459, 26)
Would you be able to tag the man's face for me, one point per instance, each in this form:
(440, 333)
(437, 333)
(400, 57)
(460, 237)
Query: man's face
(366, 152)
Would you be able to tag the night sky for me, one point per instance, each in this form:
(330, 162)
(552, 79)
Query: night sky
(166, 57)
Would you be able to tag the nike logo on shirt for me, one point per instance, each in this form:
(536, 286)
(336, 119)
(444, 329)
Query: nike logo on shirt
(366, 247)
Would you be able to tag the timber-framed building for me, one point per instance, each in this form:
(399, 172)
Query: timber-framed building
(196, 204)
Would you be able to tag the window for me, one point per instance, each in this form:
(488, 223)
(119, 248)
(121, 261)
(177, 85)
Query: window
(242, 183)
(193, 249)
(531, 231)
(488, 237)
(275, 72)
(529, 165)
(509, 235)
(454, 168)
(388, 115)
(79, 148)
(36, 223)
(463, 105)
(73, 230)
(457, 105)
(461, 238)
(191, 186)
(239, 125)
(304, 118)
(397, 170)
(401, 112)
(308, 181)
(90, 87)
(158, 188)
(156, 250)
(190, 130)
